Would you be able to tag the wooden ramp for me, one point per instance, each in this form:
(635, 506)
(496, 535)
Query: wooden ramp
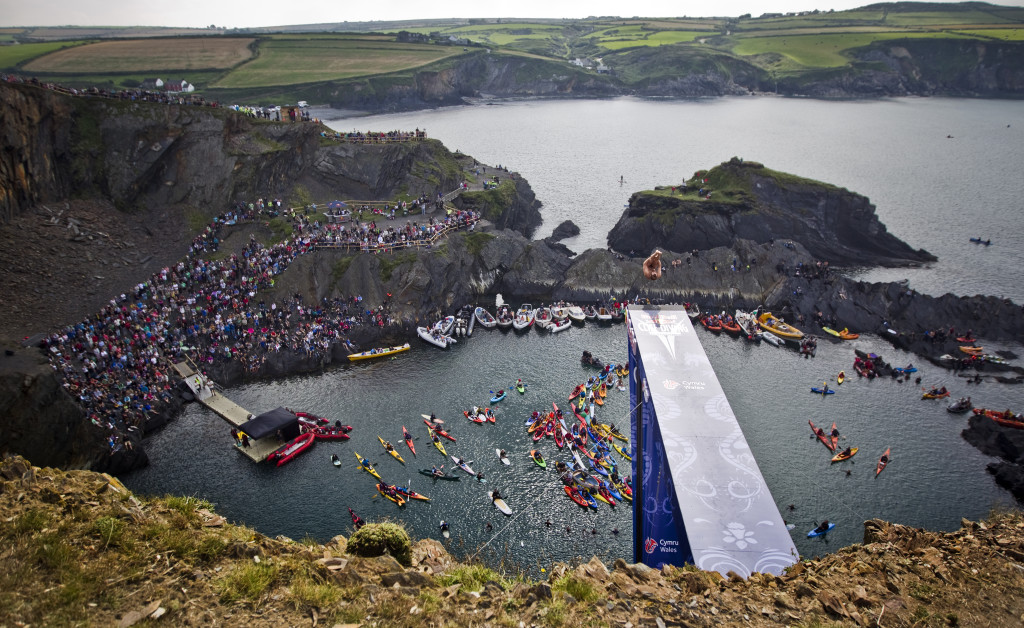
(236, 415)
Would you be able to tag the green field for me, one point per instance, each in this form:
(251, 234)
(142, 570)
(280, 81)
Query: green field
(11, 56)
(657, 38)
(292, 61)
(823, 51)
(1004, 34)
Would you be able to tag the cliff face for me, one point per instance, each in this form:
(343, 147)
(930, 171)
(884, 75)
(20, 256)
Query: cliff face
(142, 156)
(833, 224)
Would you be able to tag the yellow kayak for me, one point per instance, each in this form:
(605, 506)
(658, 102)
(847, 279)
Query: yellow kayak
(392, 451)
(622, 452)
(434, 438)
(367, 467)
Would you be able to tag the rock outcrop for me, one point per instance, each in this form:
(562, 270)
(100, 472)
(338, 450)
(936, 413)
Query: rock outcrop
(198, 161)
(1001, 442)
(740, 199)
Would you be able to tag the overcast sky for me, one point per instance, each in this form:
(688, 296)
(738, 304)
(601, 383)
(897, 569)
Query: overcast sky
(247, 13)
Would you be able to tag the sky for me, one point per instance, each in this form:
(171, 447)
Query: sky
(251, 13)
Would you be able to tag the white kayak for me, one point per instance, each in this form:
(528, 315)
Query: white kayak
(462, 465)
(500, 503)
(504, 459)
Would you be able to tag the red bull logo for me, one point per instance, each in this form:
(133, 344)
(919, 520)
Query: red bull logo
(650, 545)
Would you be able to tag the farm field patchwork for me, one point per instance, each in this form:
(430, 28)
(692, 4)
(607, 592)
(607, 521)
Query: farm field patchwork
(824, 51)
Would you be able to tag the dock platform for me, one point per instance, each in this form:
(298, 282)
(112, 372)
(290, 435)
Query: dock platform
(236, 415)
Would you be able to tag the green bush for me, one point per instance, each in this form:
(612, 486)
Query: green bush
(376, 539)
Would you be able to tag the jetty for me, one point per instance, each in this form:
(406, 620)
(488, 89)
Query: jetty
(205, 392)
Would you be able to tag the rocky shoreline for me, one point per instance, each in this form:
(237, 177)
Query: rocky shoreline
(796, 225)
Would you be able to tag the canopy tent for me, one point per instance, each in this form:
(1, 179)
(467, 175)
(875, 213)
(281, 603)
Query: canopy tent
(269, 422)
(337, 204)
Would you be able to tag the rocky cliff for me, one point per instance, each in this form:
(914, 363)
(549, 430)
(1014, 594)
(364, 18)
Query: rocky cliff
(198, 160)
(79, 548)
(745, 200)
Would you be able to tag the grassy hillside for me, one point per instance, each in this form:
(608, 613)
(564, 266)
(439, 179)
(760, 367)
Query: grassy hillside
(637, 50)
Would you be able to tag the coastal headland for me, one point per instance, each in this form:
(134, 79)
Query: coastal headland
(102, 194)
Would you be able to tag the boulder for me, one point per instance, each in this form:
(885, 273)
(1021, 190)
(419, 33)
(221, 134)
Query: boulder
(565, 230)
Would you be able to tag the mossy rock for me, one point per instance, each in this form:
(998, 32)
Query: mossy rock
(377, 539)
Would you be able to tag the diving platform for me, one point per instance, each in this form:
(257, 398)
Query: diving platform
(204, 392)
(700, 497)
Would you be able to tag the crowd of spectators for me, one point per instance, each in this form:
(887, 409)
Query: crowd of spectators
(118, 363)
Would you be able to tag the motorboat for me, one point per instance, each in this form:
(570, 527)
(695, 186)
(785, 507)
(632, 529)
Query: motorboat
(524, 317)
(484, 318)
(435, 337)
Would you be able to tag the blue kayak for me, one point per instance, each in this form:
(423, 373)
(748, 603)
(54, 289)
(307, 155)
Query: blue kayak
(815, 531)
(498, 397)
(822, 391)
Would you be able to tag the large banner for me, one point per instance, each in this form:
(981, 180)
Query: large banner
(698, 494)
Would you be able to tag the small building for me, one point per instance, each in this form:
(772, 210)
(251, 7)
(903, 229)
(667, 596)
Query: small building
(152, 84)
(179, 87)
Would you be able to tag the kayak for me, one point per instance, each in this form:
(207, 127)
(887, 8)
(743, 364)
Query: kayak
(622, 452)
(841, 456)
(884, 460)
(906, 369)
(411, 494)
(498, 396)
(430, 474)
(816, 532)
(397, 456)
(408, 440)
(538, 458)
(437, 430)
(444, 524)
(474, 417)
(575, 496)
(336, 460)
(520, 387)
(822, 436)
(822, 391)
(462, 465)
(438, 444)
(935, 395)
(499, 503)
(504, 459)
(834, 435)
(383, 490)
(841, 377)
(367, 467)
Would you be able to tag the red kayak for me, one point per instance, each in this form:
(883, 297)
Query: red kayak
(408, 440)
(577, 391)
(835, 436)
(884, 460)
(437, 430)
(575, 496)
(292, 448)
(474, 417)
(822, 436)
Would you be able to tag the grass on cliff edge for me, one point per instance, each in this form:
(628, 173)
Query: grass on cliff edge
(730, 182)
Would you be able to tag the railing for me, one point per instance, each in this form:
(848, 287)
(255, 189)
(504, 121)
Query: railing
(363, 247)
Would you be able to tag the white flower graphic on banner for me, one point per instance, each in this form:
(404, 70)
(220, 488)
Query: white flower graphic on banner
(738, 534)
